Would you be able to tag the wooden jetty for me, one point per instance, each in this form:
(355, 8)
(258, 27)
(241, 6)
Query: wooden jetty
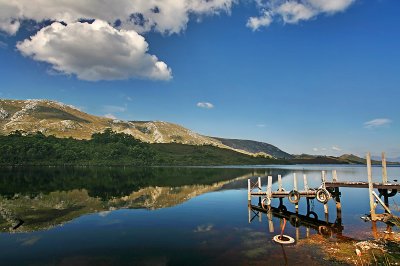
(326, 191)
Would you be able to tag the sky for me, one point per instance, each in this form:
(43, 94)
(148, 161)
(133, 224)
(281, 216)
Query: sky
(310, 76)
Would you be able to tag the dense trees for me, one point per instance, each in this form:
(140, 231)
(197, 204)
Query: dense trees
(104, 148)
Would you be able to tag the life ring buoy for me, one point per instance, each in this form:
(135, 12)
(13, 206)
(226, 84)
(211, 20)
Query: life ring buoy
(323, 195)
(265, 201)
(387, 192)
(294, 197)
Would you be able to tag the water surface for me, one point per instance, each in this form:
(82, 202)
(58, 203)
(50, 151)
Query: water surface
(164, 216)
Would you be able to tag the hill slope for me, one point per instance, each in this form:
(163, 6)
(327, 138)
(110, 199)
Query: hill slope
(255, 147)
(61, 120)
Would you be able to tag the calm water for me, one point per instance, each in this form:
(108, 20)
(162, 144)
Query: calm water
(162, 216)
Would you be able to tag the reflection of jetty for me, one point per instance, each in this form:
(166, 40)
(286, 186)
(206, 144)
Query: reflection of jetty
(327, 191)
(324, 228)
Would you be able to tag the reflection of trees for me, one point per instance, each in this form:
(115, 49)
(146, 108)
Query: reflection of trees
(106, 182)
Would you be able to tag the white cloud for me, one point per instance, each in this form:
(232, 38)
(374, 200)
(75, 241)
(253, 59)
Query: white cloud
(205, 105)
(261, 125)
(336, 148)
(94, 52)
(315, 149)
(264, 20)
(166, 16)
(111, 116)
(294, 11)
(379, 122)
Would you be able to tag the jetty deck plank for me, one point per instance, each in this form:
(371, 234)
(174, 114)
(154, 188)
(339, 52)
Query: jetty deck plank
(357, 184)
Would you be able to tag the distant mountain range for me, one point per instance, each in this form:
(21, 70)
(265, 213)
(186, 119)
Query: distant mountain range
(61, 120)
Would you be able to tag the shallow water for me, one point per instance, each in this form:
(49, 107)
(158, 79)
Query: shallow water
(165, 216)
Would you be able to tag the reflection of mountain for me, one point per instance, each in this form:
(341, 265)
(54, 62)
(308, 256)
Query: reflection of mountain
(86, 191)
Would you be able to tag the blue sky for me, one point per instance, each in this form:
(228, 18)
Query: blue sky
(309, 80)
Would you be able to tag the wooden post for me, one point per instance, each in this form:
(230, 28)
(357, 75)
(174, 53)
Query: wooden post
(259, 183)
(326, 209)
(269, 190)
(280, 188)
(370, 188)
(384, 170)
(305, 182)
(248, 191)
(334, 176)
(295, 188)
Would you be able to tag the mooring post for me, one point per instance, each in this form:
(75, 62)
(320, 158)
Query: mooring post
(370, 188)
(326, 209)
(305, 182)
(269, 191)
(280, 188)
(295, 188)
(337, 199)
(249, 191)
(384, 170)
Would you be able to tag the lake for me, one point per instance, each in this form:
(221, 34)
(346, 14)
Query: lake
(167, 216)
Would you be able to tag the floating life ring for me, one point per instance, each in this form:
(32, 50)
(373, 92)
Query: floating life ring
(387, 192)
(284, 239)
(323, 195)
(294, 196)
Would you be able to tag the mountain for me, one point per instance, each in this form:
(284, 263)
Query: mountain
(343, 159)
(255, 147)
(61, 120)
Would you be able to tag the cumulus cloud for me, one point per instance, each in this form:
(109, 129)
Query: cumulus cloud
(379, 122)
(166, 16)
(294, 11)
(94, 52)
(205, 105)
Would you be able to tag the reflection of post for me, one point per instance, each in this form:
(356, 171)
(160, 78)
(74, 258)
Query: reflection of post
(370, 188)
(337, 199)
(295, 188)
(249, 207)
(260, 216)
(384, 179)
(259, 189)
(326, 210)
(374, 230)
(307, 232)
(270, 222)
(297, 234)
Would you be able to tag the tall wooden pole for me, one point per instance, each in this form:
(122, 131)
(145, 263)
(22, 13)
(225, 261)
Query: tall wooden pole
(370, 188)
(384, 170)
